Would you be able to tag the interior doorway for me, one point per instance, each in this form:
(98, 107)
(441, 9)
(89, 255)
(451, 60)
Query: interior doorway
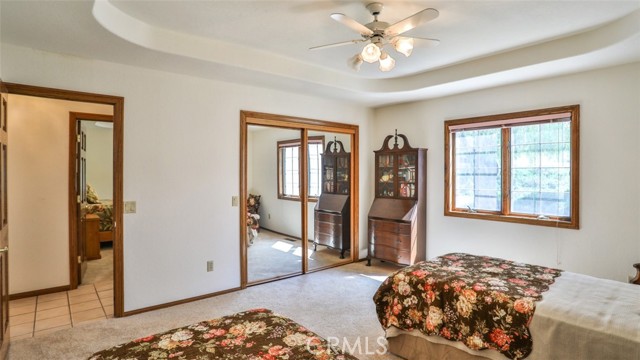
(117, 105)
(91, 198)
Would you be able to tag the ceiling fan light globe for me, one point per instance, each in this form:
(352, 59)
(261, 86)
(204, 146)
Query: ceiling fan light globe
(387, 63)
(370, 53)
(403, 45)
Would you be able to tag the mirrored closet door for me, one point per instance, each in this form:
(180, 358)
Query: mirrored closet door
(274, 245)
(329, 204)
(297, 186)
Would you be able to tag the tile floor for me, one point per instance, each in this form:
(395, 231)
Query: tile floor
(47, 313)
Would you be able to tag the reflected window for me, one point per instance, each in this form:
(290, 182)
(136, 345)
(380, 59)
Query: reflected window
(289, 168)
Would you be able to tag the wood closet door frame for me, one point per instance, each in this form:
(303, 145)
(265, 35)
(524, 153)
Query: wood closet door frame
(304, 125)
(118, 192)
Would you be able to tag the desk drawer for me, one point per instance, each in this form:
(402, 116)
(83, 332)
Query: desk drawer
(328, 217)
(390, 254)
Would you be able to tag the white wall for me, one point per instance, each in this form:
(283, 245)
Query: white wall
(100, 159)
(38, 183)
(607, 243)
(182, 173)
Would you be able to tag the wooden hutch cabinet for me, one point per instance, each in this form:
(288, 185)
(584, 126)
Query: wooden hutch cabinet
(332, 216)
(397, 218)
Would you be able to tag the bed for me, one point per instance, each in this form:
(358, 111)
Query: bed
(104, 210)
(578, 317)
(253, 334)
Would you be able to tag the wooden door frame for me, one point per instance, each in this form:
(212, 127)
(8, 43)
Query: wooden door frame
(297, 123)
(118, 193)
(74, 117)
(5, 314)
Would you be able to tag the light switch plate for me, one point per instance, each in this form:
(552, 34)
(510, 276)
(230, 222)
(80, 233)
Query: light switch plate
(234, 201)
(129, 207)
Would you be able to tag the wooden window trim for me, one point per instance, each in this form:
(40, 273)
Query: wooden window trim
(503, 120)
(290, 143)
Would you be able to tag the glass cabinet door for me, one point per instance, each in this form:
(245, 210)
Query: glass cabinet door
(342, 174)
(385, 166)
(407, 175)
(328, 168)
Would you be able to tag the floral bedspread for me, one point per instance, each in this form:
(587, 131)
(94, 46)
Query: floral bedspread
(256, 334)
(484, 302)
(105, 213)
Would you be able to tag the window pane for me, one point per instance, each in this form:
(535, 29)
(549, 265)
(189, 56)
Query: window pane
(525, 179)
(523, 135)
(540, 172)
(290, 171)
(525, 156)
(290, 163)
(524, 202)
(478, 169)
(315, 165)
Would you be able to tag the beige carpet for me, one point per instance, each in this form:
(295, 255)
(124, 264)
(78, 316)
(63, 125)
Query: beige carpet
(100, 270)
(273, 255)
(334, 303)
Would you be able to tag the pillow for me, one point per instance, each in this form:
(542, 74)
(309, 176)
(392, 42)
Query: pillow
(92, 197)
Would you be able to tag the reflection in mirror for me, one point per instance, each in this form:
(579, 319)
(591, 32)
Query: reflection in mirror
(273, 219)
(328, 221)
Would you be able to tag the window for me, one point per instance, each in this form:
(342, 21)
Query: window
(289, 163)
(518, 167)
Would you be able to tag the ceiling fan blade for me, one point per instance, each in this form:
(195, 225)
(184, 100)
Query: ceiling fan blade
(427, 42)
(411, 22)
(336, 44)
(345, 20)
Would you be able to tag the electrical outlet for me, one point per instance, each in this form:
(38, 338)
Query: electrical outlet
(209, 265)
(234, 201)
(129, 207)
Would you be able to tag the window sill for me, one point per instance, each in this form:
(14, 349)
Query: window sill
(573, 224)
(295, 198)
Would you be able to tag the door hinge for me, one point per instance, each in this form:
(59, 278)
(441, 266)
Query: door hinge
(79, 200)
(79, 259)
(79, 138)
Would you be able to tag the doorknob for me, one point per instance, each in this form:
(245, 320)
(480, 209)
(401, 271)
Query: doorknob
(5, 249)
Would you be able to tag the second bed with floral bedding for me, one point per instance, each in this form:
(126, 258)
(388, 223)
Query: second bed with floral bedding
(483, 302)
(254, 334)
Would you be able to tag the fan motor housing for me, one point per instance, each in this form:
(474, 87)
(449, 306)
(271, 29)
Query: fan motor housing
(375, 8)
(377, 26)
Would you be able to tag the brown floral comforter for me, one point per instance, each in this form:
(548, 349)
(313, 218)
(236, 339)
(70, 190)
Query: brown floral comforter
(256, 334)
(105, 213)
(484, 302)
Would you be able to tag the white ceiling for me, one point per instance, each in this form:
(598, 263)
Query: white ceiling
(265, 43)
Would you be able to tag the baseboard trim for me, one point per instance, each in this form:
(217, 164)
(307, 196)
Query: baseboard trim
(179, 302)
(27, 294)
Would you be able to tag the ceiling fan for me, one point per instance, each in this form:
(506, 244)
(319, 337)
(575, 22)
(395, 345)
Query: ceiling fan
(379, 34)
